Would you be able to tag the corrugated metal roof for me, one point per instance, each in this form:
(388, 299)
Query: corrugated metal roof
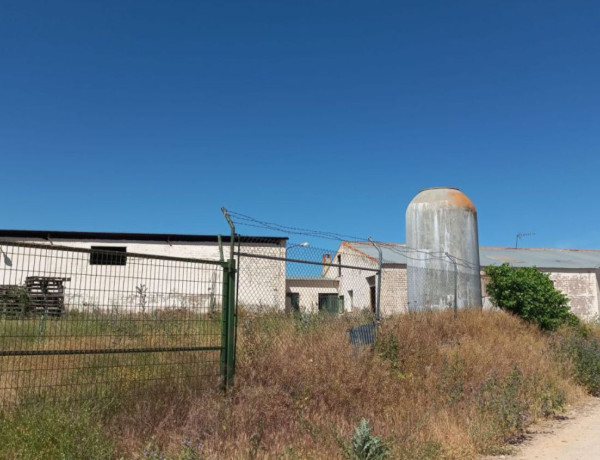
(396, 253)
(540, 257)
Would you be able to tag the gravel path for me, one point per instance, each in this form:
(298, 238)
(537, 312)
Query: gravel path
(576, 437)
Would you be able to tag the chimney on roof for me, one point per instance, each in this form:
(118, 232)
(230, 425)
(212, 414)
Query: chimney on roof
(326, 260)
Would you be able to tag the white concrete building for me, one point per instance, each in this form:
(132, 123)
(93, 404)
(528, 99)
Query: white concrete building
(576, 272)
(125, 282)
(311, 294)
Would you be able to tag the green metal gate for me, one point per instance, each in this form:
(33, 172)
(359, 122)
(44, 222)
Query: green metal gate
(73, 320)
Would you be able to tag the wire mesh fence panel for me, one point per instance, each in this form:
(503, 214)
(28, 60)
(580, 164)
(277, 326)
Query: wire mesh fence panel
(75, 321)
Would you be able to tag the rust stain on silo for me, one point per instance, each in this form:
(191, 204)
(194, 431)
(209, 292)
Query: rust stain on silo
(461, 200)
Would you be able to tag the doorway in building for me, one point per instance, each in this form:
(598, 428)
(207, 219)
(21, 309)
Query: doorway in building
(373, 297)
(372, 293)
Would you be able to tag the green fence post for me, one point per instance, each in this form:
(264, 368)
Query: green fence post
(231, 323)
(224, 326)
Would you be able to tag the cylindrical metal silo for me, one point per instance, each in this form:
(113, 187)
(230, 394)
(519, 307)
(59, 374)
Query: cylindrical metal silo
(442, 250)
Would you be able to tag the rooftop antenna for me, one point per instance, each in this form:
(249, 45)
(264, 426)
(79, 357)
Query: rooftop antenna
(522, 235)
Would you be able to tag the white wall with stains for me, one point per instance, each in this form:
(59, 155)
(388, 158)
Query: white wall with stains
(146, 284)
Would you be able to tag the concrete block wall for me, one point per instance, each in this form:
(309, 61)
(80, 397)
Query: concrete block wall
(394, 290)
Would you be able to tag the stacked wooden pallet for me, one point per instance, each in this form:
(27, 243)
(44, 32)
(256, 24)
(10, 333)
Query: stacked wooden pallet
(42, 295)
(46, 295)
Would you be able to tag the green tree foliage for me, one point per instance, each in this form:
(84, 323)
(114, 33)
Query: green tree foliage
(530, 294)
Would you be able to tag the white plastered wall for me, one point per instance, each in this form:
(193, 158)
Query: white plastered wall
(148, 284)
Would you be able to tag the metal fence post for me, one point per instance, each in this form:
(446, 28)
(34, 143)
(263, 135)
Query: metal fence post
(224, 326)
(229, 314)
(231, 323)
(379, 278)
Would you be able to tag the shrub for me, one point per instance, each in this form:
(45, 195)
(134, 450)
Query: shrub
(529, 294)
(366, 446)
(502, 401)
(14, 301)
(583, 349)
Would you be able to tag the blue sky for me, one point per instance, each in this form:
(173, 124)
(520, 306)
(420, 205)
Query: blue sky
(149, 116)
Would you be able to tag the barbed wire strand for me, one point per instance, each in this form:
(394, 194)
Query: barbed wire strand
(245, 220)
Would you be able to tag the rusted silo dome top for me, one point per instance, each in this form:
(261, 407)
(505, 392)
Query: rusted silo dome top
(443, 197)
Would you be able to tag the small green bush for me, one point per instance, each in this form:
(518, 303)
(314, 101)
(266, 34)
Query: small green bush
(388, 349)
(529, 294)
(501, 400)
(15, 302)
(583, 349)
(366, 446)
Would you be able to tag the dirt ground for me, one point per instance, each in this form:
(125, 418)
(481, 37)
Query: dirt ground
(576, 436)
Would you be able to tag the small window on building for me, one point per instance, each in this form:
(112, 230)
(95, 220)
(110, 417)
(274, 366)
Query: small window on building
(108, 255)
(339, 265)
(293, 301)
(329, 303)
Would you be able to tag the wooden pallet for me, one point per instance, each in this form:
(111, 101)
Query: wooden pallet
(46, 294)
(41, 295)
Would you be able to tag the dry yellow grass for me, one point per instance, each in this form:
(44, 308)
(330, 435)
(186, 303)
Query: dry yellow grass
(434, 387)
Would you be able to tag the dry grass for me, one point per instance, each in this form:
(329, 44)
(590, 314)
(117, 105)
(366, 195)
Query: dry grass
(434, 387)
(21, 375)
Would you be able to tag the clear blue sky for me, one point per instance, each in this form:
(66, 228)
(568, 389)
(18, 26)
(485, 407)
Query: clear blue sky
(148, 116)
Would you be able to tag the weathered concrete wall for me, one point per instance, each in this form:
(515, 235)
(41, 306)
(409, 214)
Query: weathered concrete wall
(354, 283)
(144, 283)
(262, 281)
(582, 290)
(309, 291)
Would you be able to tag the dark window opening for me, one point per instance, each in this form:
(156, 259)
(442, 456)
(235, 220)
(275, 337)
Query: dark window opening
(339, 265)
(293, 301)
(108, 255)
(329, 303)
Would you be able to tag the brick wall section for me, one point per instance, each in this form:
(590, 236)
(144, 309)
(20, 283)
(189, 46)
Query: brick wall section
(582, 290)
(394, 290)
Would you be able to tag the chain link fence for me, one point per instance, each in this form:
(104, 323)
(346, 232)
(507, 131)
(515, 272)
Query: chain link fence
(350, 290)
(302, 295)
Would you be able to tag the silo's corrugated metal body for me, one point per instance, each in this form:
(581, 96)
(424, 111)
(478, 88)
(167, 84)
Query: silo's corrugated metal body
(442, 221)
